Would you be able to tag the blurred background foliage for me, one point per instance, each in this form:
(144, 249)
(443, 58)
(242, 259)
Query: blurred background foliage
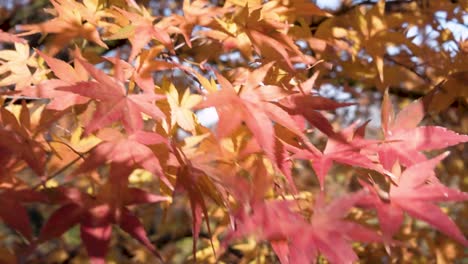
(416, 48)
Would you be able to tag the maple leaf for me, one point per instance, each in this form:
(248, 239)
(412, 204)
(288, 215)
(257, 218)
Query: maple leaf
(97, 214)
(404, 141)
(188, 181)
(417, 191)
(60, 100)
(308, 106)
(113, 101)
(331, 234)
(285, 163)
(197, 180)
(449, 90)
(343, 148)
(145, 66)
(181, 108)
(228, 153)
(251, 29)
(72, 19)
(196, 13)
(372, 28)
(18, 142)
(140, 30)
(13, 213)
(296, 240)
(264, 115)
(129, 150)
(16, 63)
(254, 105)
(248, 180)
(192, 180)
(7, 37)
(305, 8)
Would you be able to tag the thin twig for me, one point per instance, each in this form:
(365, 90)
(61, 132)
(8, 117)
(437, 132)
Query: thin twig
(185, 43)
(11, 99)
(70, 147)
(55, 174)
(61, 170)
(412, 69)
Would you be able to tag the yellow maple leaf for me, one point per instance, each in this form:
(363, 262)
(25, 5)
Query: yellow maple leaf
(181, 106)
(72, 20)
(15, 67)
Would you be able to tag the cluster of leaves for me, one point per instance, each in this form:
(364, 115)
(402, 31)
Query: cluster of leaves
(74, 135)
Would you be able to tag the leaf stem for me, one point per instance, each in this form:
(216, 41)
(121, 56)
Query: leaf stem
(61, 170)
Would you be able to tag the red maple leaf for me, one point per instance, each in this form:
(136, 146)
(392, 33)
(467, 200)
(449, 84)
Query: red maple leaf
(195, 183)
(196, 13)
(343, 148)
(417, 191)
(17, 142)
(7, 37)
(97, 214)
(129, 150)
(113, 101)
(12, 211)
(72, 20)
(404, 141)
(296, 240)
(308, 107)
(143, 31)
(254, 105)
(67, 75)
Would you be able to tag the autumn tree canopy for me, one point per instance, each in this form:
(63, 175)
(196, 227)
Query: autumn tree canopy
(237, 131)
